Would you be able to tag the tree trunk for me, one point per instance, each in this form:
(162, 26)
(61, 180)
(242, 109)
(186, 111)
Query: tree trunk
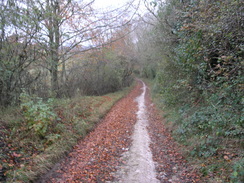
(54, 39)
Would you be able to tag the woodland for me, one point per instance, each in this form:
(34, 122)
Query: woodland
(63, 64)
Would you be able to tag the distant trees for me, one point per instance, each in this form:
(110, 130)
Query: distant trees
(107, 68)
(39, 37)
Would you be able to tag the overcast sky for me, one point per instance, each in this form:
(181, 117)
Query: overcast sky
(109, 3)
(113, 4)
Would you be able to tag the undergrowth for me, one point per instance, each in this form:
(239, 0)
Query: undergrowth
(36, 135)
(199, 81)
(210, 141)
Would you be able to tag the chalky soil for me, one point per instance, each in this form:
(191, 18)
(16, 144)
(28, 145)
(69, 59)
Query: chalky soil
(139, 166)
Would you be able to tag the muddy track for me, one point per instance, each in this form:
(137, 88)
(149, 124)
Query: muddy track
(139, 165)
(118, 149)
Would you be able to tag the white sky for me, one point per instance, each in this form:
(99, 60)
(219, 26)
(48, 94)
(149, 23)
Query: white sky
(113, 4)
(109, 3)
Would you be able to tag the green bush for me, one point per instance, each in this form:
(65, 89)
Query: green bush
(237, 175)
(38, 115)
(200, 75)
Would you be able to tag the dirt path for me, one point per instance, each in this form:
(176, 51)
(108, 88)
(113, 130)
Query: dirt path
(139, 165)
(120, 149)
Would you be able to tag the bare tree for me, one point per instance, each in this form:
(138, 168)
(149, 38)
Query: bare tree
(17, 51)
(50, 32)
(67, 24)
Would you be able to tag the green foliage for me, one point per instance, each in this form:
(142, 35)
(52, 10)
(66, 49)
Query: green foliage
(237, 175)
(200, 76)
(203, 78)
(38, 115)
(218, 120)
(206, 147)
